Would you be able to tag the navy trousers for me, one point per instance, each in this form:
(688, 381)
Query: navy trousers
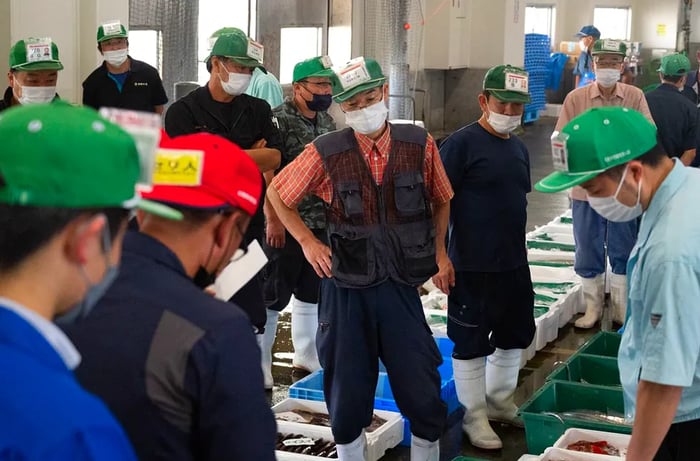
(357, 327)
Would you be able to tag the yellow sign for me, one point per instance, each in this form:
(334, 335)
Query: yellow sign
(661, 30)
(175, 167)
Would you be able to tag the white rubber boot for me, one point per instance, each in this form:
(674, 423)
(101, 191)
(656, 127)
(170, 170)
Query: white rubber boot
(266, 341)
(353, 451)
(304, 326)
(594, 296)
(618, 297)
(470, 383)
(502, 368)
(423, 450)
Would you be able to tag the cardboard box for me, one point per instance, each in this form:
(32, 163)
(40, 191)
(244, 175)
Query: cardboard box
(571, 48)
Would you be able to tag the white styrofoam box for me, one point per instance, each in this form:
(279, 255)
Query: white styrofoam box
(552, 324)
(529, 458)
(573, 435)
(388, 435)
(553, 274)
(439, 329)
(563, 237)
(557, 454)
(538, 254)
(557, 228)
(436, 300)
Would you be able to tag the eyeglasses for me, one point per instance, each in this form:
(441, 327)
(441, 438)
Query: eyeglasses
(242, 247)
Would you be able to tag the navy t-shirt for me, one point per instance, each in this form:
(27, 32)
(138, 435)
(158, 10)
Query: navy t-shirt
(488, 214)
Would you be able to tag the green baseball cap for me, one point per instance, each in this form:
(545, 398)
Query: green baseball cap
(234, 44)
(35, 54)
(607, 46)
(595, 141)
(507, 84)
(62, 156)
(110, 30)
(675, 65)
(320, 66)
(357, 75)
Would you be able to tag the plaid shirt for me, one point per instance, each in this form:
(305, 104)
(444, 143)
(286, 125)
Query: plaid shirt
(306, 174)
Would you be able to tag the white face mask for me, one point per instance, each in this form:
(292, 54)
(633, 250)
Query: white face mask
(583, 46)
(369, 119)
(503, 124)
(607, 77)
(116, 57)
(36, 94)
(612, 209)
(237, 83)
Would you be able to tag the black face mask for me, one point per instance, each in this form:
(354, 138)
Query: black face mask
(319, 102)
(204, 278)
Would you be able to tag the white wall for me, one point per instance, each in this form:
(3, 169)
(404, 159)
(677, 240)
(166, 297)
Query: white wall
(72, 24)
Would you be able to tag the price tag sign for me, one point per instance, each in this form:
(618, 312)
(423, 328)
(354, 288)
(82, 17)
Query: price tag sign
(326, 62)
(516, 82)
(38, 49)
(255, 50)
(175, 167)
(303, 441)
(354, 73)
(560, 154)
(112, 28)
(610, 45)
(144, 127)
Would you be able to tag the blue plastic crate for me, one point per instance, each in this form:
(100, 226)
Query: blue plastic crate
(311, 387)
(531, 116)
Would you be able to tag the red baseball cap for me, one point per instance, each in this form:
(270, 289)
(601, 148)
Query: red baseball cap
(204, 170)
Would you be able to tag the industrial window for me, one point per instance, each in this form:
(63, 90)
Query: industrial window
(297, 44)
(147, 46)
(213, 15)
(540, 19)
(613, 23)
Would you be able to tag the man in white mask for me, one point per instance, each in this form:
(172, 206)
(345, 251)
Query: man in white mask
(221, 107)
(122, 81)
(388, 201)
(33, 74)
(490, 306)
(583, 72)
(591, 230)
(614, 154)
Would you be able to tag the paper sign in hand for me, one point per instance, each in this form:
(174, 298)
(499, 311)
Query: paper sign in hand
(239, 272)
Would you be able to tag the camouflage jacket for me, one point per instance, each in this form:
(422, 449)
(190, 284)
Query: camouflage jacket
(298, 131)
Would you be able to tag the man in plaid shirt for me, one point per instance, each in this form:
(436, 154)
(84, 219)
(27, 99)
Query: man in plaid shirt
(387, 198)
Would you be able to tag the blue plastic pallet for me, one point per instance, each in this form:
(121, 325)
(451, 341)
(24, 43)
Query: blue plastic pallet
(311, 388)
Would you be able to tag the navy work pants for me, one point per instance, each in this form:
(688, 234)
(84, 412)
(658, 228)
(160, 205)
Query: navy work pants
(357, 327)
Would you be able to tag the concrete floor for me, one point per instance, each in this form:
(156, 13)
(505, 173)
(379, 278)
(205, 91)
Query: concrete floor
(541, 209)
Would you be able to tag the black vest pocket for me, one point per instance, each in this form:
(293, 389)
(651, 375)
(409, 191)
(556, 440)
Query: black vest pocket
(351, 196)
(353, 260)
(418, 247)
(409, 193)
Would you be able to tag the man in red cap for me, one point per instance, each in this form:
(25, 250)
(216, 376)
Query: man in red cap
(179, 368)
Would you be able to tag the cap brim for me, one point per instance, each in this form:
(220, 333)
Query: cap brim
(42, 65)
(320, 73)
(110, 37)
(510, 96)
(159, 209)
(559, 181)
(345, 95)
(248, 62)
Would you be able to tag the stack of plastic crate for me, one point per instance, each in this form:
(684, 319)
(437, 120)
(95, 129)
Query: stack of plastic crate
(537, 57)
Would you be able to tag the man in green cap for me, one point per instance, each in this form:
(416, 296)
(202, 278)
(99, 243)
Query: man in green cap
(122, 81)
(302, 118)
(489, 169)
(263, 84)
(221, 107)
(675, 116)
(614, 238)
(33, 74)
(387, 204)
(614, 154)
(63, 216)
